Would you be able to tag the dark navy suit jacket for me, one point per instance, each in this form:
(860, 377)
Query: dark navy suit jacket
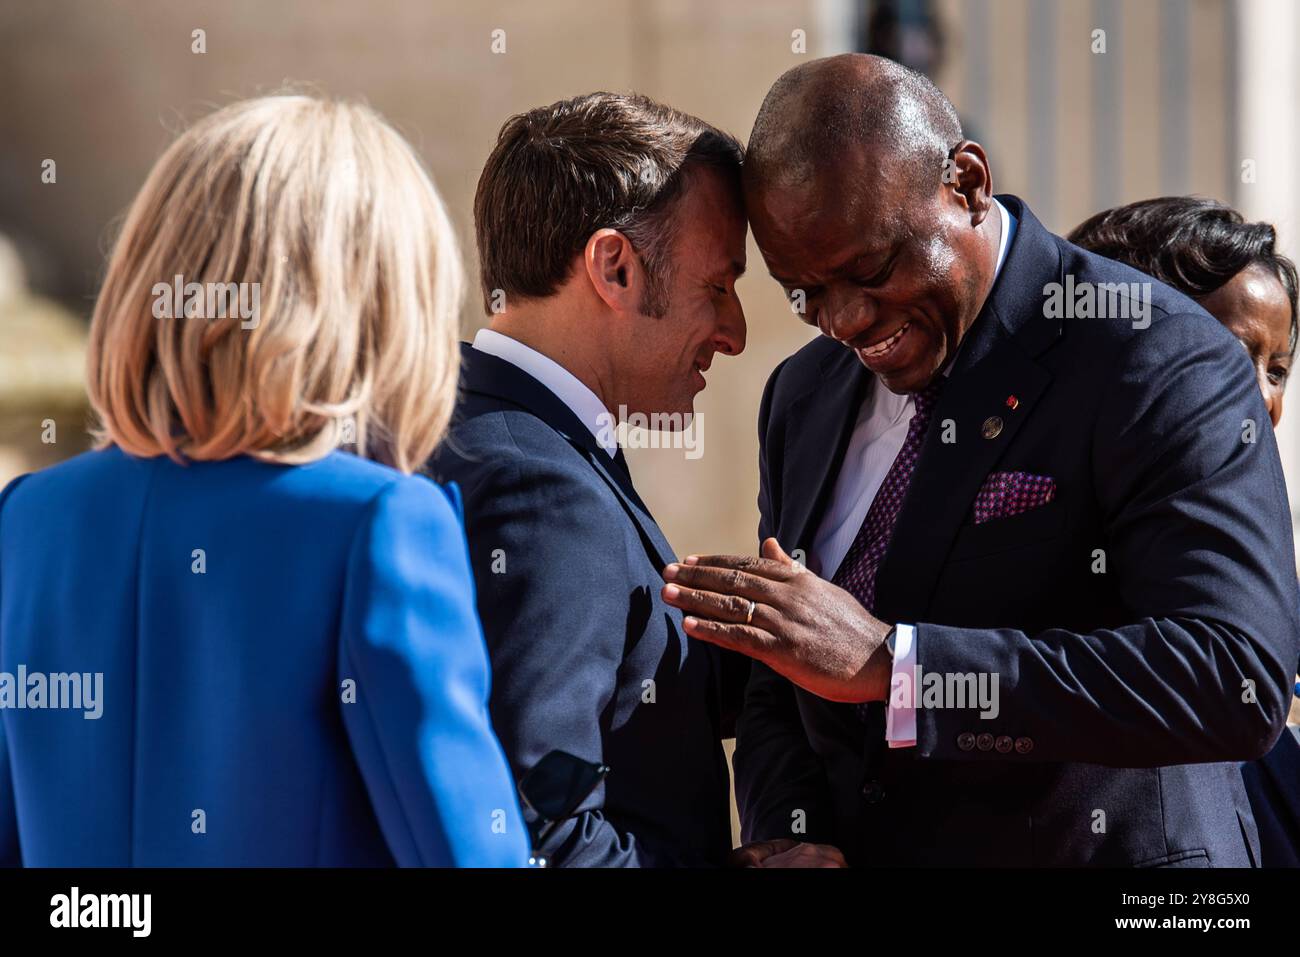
(1127, 696)
(293, 673)
(586, 657)
(1273, 785)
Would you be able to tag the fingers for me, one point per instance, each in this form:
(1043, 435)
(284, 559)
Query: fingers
(806, 855)
(772, 550)
(753, 854)
(774, 569)
(723, 581)
(746, 639)
(708, 604)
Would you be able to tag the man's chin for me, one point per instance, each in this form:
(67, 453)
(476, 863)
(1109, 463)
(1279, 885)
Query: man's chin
(667, 417)
(680, 419)
(895, 380)
(912, 377)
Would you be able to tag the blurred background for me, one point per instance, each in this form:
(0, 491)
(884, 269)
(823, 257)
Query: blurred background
(1173, 96)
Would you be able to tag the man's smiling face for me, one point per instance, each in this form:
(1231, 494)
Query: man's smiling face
(889, 268)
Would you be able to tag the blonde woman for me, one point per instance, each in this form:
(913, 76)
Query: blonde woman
(240, 632)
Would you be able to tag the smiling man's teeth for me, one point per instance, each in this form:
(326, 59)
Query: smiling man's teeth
(882, 347)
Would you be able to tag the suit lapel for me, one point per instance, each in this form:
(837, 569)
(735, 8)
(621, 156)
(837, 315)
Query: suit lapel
(619, 479)
(488, 375)
(996, 362)
(948, 477)
(815, 447)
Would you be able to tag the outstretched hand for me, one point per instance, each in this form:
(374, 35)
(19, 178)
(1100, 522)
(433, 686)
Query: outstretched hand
(774, 610)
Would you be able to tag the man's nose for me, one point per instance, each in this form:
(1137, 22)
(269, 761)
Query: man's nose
(729, 336)
(847, 314)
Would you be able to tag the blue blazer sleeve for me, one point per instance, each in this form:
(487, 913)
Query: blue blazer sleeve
(419, 727)
(10, 853)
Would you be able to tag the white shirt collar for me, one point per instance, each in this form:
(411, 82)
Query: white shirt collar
(568, 388)
(1004, 239)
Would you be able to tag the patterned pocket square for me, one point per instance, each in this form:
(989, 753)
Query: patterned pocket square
(1009, 493)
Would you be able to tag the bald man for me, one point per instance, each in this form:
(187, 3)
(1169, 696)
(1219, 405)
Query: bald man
(1049, 599)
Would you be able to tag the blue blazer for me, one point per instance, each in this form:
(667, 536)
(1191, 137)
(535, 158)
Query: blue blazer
(1129, 692)
(586, 657)
(292, 670)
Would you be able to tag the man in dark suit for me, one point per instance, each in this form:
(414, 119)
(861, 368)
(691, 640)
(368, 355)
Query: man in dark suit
(1049, 600)
(1273, 786)
(611, 232)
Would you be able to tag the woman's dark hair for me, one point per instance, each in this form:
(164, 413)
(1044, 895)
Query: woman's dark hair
(1195, 245)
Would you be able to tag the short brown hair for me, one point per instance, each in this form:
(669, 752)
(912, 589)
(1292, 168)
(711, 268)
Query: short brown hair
(558, 173)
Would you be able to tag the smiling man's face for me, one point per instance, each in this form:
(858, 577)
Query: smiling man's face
(664, 368)
(889, 269)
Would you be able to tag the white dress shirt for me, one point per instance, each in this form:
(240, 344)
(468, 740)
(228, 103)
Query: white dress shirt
(876, 441)
(568, 388)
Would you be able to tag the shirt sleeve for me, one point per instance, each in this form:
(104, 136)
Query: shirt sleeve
(900, 719)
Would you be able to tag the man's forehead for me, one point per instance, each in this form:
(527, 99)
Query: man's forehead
(851, 193)
(837, 229)
(714, 224)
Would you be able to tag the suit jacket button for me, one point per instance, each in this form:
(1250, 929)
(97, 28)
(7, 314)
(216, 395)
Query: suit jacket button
(1024, 745)
(984, 742)
(992, 427)
(966, 741)
(873, 792)
(1003, 744)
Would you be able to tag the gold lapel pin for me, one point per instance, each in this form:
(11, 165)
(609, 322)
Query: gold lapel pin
(992, 427)
(1013, 402)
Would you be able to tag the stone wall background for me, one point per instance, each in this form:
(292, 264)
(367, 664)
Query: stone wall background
(101, 87)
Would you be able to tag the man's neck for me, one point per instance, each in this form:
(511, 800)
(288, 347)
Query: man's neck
(991, 230)
(991, 235)
(992, 245)
(553, 333)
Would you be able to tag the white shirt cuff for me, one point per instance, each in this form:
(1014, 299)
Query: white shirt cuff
(900, 718)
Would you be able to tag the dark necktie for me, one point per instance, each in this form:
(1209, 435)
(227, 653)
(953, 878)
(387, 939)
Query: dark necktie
(621, 460)
(857, 573)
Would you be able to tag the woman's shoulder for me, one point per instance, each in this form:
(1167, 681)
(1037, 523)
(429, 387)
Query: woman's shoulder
(339, 483)
(85, 469)
(371, 479)
(378, 495)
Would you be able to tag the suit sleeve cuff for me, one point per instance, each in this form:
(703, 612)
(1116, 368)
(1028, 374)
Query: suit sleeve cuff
(900, 718)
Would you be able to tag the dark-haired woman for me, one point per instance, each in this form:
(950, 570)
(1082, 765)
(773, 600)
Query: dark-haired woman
(1232, 268)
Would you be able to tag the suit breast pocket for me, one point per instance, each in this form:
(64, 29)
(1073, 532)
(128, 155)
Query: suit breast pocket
(1039, 524)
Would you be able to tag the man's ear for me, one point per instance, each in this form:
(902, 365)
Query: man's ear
(967, 172)
(614, 269)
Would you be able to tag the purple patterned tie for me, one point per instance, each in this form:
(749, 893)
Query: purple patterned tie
(857, 572)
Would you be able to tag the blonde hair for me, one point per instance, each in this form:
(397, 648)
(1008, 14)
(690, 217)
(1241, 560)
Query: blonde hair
(359, 284)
